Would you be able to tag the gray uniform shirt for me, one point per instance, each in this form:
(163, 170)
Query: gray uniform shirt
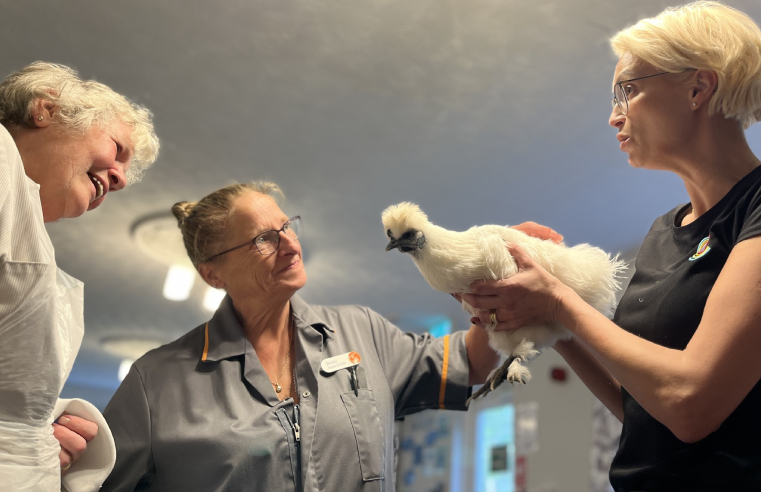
(200, 414)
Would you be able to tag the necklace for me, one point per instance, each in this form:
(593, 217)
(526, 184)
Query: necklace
(277, 386)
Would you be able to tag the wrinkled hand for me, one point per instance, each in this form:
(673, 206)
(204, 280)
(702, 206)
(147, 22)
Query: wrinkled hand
(539, 231)
(530, 297)
(73, 433)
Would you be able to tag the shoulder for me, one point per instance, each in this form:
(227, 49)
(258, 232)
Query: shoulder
(7, 145)
(10, 161)
(352, 317)
(188, 348)
(347, 313)
(666, 221)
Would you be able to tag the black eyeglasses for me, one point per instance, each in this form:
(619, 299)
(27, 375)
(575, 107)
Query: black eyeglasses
(621, 98)
(268, 241)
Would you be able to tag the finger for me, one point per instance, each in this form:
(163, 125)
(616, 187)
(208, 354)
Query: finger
(484, 322)
(85, 428)
(522, 259)
(507, 325)
(484, 287)
(481, 302)
(539, 231)
(64, 458)
(70, 441)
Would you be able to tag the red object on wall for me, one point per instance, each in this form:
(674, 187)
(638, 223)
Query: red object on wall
(520, 474)
(558, 374)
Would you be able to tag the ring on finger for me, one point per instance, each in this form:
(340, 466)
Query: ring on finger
(66, 467)
(493, 316)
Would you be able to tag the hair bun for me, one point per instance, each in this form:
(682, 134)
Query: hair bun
(182, 210)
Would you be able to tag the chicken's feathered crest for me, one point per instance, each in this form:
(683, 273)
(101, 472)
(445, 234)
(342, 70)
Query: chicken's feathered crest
(402, 217)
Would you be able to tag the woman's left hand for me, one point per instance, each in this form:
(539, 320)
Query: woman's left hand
(73, 433)
(530, 297)
(539, 231)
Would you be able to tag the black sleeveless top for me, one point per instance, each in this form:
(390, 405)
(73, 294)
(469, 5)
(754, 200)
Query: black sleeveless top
(675, 271)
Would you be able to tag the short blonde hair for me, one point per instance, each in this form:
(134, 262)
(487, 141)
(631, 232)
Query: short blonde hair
(81, 104)
(204, 223)
(704, 36)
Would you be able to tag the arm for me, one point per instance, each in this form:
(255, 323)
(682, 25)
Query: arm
(594, 375)
(422, 371)
(482, 359)
(687, 390)
(128, 416)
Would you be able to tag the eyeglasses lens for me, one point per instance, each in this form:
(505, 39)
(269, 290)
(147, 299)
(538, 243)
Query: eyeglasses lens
(268, 242)
(294, 227)
(620, 99)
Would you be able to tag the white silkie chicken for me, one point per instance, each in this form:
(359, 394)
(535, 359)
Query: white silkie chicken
(450, 261)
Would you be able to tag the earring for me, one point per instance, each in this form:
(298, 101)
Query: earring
(694, 104)
(40, 118)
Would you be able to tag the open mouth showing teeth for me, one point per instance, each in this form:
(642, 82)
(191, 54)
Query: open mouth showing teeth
(99, 191)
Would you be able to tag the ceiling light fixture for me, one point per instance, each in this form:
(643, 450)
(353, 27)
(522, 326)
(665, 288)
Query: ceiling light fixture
(158, 236)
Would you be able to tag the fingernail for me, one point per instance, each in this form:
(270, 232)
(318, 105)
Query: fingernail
(63, 420)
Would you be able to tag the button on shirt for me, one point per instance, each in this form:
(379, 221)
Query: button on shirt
(200, 414)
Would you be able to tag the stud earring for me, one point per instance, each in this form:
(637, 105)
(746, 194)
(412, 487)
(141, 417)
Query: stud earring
(40, 118)
(694, 104)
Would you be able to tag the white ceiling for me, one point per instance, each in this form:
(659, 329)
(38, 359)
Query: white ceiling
(481, 111)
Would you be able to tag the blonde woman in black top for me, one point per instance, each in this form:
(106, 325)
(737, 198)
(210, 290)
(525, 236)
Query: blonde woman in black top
(679, 364)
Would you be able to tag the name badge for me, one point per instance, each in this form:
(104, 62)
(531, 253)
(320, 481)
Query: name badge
(333, 364)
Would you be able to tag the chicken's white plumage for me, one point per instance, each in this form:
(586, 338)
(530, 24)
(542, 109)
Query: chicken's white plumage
(450, 261)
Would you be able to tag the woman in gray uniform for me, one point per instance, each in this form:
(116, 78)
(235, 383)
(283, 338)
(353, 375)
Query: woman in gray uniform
(679, 364)
(274, 394)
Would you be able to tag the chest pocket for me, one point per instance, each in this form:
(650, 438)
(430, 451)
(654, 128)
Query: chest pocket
(367, 431)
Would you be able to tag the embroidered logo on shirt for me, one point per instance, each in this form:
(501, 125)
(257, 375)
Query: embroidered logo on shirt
(703, 248)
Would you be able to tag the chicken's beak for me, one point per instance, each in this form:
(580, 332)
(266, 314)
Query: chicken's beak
(392, 245)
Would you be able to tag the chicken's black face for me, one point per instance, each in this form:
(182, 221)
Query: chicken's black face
(410, 242)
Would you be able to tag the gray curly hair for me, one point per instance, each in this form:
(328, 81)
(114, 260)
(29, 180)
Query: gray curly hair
(80, 104)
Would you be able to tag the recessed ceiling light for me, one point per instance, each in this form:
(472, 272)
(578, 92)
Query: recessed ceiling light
(158, 236)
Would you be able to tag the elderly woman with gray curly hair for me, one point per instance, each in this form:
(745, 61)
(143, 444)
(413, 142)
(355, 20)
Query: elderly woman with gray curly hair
(65, 144)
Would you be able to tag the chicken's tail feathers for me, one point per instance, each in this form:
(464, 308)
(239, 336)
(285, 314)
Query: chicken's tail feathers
(525, 351)
(618, 268)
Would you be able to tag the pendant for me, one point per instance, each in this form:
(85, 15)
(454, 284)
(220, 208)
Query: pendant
(278, 388)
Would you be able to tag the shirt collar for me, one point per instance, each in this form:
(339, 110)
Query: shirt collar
(306, 314)
(224, 337)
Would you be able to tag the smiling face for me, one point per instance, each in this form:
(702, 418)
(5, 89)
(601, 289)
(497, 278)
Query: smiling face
(247, 273)
(658, 126)
(75, 172)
